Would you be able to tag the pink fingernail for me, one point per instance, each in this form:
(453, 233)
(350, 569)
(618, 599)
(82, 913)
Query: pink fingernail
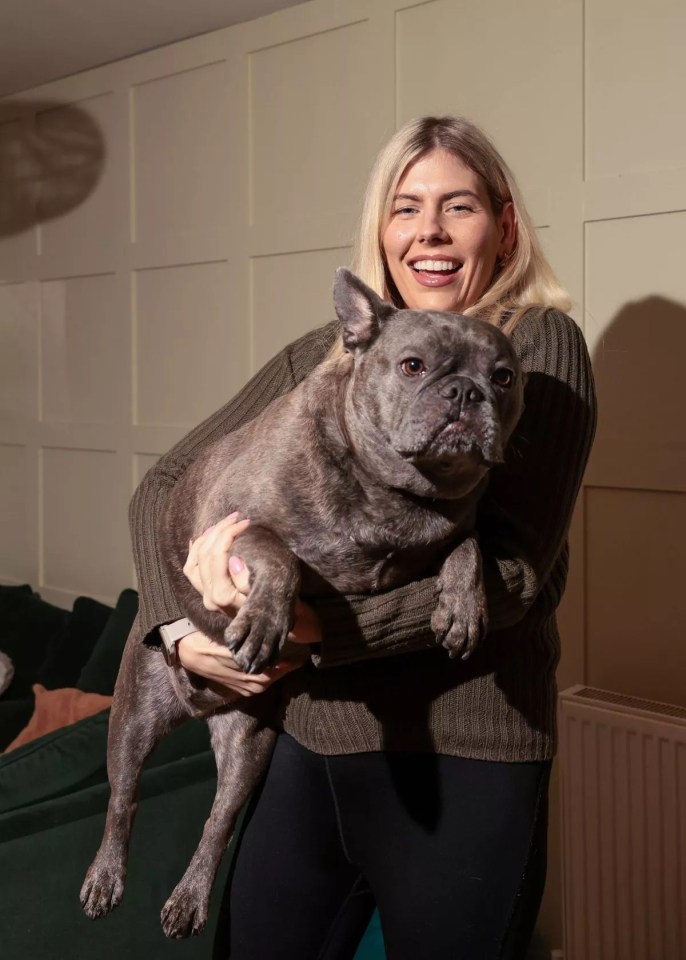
(236, 565)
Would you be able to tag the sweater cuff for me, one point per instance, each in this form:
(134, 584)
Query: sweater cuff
(154, 611)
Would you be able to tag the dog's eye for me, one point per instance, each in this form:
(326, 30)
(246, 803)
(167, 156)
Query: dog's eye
(413, 367)
(503, 377)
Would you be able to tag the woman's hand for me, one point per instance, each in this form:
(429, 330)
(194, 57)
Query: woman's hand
(198, 654)
(210, 570)
(224, 584)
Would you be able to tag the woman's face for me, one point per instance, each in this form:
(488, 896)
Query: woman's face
(442, 240)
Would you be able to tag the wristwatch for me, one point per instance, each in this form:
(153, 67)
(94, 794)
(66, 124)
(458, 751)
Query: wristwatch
(170, 634)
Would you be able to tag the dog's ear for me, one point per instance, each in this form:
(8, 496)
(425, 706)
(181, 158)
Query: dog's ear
(361, 311)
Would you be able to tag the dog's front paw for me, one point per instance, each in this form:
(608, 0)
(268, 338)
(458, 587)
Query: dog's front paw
(460, 618)
(257, 632)
(459, 624)
(102, 889)
(185, 912)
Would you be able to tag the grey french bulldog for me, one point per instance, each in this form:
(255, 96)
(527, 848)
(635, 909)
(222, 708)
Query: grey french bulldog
(362, 478)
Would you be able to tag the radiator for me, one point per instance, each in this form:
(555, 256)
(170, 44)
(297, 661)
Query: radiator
(623, 768)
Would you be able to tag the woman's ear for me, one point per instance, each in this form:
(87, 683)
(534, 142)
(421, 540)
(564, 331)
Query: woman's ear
(508, 228)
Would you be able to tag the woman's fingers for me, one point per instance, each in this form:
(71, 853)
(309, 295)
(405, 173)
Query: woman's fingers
(207, 565)
(190, 567)
(239, 574)
(213, 560)
(198, 654)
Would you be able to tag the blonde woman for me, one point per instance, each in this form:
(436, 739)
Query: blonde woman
(404, 779)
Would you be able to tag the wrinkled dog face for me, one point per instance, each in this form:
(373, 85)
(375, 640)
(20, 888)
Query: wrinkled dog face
(443, 386)
(443, 390)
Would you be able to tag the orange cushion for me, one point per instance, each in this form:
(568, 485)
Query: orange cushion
(58, 708)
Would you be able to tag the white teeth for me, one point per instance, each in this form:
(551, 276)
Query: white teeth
(437, 265)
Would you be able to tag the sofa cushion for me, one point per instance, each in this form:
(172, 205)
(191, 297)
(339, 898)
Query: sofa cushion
(28, 628)
(54, 764)
(99, 674)
(71, 649)
(58, 708)
(14, 715)
(74, 757)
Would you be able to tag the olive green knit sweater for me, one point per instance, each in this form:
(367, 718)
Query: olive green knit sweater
(378, 680)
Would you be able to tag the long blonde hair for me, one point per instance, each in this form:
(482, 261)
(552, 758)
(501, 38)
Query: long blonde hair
(525, 278)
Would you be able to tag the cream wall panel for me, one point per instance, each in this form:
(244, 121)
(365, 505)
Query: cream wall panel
(452, 58)
(635, 82)
(85, 542)
(77, 199)
(190, 354)
(636, 325)
(84, 348)
(18, 336)
(291, 294)
(154, 439)
(313, 137)
(16, 554)
(636, 562)
(142, 462)
(183, 184)
(635, 195)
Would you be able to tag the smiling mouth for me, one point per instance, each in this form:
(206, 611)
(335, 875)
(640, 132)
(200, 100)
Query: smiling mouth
(435, 273)
(436, 266)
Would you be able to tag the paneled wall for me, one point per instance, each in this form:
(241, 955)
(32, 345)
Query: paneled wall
(168, 222)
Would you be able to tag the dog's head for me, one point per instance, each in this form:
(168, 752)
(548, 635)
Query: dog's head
(441, 391)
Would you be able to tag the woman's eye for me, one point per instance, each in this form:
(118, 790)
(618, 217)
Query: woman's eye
(413, 367)
(404, 211)
(503, 377)
(460, 208)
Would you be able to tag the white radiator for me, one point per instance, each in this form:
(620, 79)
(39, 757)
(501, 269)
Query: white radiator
(623, 765)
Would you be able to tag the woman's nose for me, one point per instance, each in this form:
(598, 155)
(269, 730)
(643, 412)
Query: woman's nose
(431, 227)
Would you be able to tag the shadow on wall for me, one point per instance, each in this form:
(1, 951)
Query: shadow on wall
(638, 367)
(638, 470)
(51, 157)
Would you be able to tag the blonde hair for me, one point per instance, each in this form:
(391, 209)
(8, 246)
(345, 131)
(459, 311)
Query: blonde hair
(524, 279)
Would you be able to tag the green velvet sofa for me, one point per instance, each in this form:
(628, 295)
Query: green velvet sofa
(54, 793)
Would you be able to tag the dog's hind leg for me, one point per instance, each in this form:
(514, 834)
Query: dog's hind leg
(145, 708)
(243, 744)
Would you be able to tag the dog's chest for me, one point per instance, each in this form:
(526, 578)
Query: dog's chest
(365, 554)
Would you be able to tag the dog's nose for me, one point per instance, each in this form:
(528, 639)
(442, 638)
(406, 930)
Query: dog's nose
(462, 389)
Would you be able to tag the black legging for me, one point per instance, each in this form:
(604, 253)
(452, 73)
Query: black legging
(452, 851)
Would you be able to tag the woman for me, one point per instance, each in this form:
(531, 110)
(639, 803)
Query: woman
(404, 778)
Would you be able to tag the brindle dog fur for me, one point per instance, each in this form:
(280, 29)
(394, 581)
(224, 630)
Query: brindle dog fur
(363, 478)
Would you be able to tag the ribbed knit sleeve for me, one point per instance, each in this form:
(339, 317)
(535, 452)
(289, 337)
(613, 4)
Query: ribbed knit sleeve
(158, 604)
(523, 517)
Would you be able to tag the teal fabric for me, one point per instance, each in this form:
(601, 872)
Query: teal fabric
(372, 946)
(100, 671)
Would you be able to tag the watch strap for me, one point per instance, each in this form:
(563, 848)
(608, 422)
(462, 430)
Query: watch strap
(170, 634)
